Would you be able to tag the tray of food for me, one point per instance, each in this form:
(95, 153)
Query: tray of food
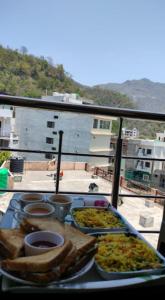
(92, 219)
(58, 263)
(126, 255)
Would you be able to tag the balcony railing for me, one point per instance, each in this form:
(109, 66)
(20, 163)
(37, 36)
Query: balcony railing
(93, 110)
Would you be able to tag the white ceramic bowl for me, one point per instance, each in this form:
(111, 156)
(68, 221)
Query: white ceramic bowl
(62, 204)
(39, 210)
(28, 198)
(42, 241)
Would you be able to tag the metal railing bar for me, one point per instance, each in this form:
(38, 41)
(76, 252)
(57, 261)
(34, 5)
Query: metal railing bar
(59, 160)
(143, 158)
(84, 109)
(79, 154)
(27, 151)
(117, 164)
(85, 193)
(52, 191)
(55, 152)
(149, 231)
(142, 196)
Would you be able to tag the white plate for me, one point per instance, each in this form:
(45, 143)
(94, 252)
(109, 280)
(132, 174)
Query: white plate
(78, 274)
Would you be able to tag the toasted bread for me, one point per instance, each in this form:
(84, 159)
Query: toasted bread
(52, 275)
(11, 242)
(80, 240)
(35, 224)
(38, 263)
(39, 278)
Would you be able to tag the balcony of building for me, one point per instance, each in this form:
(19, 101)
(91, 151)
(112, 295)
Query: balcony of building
(113, 189)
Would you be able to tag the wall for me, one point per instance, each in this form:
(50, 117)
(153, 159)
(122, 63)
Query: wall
(32, 129)
(44, 166)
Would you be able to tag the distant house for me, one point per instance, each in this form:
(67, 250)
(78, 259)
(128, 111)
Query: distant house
(130, 133)
(160, 136)
(145, 169)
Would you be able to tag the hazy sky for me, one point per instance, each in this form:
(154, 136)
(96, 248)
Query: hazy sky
(97, 41)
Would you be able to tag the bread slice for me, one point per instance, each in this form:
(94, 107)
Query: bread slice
(83, 242)
(80, 240)
(35, 224)
(38, 263)
(54, 275)
(11, 242)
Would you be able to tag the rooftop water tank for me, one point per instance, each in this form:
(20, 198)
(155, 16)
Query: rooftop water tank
(17, 165)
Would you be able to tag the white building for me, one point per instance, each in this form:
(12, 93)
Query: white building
(150, 149)
(130, 133)
(160, 136)
(8, 137)
(83, 133)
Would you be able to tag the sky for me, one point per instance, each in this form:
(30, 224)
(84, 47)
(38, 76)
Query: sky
(97, 41)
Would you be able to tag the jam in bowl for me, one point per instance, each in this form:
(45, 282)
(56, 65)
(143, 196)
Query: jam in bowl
(42, 241)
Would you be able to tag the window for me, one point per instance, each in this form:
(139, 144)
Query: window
(49, 140)
(49, 155)
(15, 142)
(95, 123)
(149, 151)
(50, 124)
(55, 117)
(54, 132)
(143, 151)
(104, 124)
(53, 148)
(147, 164)
(145, 177)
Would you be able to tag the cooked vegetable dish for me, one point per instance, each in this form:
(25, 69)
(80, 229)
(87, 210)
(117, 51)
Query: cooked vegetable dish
(93, 217)
(121, 253)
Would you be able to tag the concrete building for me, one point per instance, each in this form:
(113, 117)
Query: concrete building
(147, 170)
(8, 136)
(134, 133)
(38, 129)
(160, 136)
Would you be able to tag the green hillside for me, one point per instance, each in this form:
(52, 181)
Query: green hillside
(23, 74)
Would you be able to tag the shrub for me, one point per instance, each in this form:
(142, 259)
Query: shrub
(4, 155)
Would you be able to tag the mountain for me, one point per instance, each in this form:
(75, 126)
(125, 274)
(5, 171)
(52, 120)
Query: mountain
(145, 94)
(23, 74)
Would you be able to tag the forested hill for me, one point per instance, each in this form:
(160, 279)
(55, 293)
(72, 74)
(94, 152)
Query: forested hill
(23, 74)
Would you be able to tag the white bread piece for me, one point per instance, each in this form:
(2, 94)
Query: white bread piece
(80, 240)
(53, 275)
(38, 263)
(11, 242)
(68, 260)
(35, 224)
(83, 242)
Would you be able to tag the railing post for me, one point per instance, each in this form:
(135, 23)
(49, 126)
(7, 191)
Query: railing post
(59, 160)
(116, 177)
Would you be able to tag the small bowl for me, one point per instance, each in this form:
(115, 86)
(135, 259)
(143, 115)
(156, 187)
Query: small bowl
(42, 241)
(62, 205)
(39, 210)
(30, 198)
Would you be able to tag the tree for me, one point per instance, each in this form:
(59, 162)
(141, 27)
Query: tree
(4, 155)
